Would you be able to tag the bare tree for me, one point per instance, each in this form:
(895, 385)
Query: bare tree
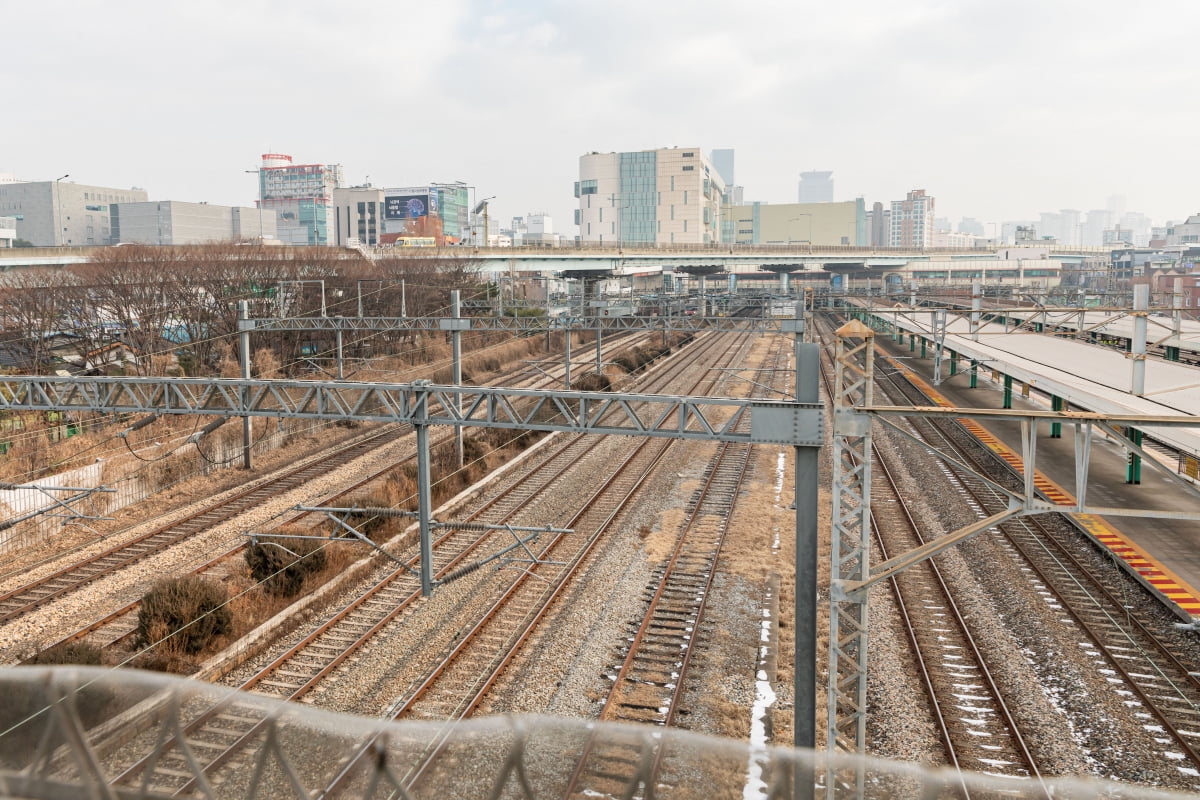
(35, 305)
(136, 296)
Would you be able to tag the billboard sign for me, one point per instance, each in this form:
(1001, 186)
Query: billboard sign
(412, 204)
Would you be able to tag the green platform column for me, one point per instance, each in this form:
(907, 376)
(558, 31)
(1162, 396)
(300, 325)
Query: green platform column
(1133, 472)
(974, 374)
(1056, 404)
(912, 342)
(953, 363)
(922, 348)
(1008, 391)
(1172, 354)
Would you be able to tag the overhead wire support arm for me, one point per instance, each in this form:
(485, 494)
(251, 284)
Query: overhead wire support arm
(518, 544)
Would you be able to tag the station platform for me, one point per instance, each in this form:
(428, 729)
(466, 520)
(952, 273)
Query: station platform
(1160, 326)
(1090, 377)
(1161, 553)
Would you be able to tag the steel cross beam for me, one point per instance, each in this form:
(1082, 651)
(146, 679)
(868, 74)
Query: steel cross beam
(534, 324)
(664, 416)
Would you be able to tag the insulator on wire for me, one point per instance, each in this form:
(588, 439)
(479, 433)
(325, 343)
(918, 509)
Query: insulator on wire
(207, 429)
(141, 423)
(461, 572)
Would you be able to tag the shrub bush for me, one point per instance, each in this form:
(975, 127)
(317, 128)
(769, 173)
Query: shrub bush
(281, 563)
(190, 610)
(80, 653)
(592, 382)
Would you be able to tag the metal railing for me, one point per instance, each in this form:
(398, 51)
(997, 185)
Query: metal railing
(70, 732)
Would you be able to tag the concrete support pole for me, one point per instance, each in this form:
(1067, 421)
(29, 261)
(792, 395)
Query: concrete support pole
(341, 371)
(567, 358)
(1141, 297)
(1176, 316)
(456, 357)
(599, 340)
(976, 307)
(785, 282)
(244, 347)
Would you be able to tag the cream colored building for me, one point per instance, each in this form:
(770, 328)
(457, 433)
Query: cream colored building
(667, 196)
(796, 223)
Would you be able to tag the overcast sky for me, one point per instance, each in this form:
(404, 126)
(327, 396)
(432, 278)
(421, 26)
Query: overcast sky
(998, 109)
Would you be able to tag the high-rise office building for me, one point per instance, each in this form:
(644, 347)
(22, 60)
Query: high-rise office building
(912, 220)
(879, 225)
(816, 187)
(722, 161)
(301, 195)
(971, 227)
(437, 210)
(671, 195)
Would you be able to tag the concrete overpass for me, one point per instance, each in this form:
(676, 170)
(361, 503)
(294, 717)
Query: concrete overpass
(745, 261)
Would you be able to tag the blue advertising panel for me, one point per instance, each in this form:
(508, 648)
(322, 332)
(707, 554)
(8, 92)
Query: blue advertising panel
(409, 206)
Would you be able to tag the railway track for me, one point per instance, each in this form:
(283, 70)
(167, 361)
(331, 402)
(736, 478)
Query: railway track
(1096, 601)
(297, 672)
(977, 730)
(36, 593)
(118, 623)
(648, 684)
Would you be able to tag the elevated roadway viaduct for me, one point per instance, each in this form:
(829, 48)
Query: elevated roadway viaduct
(773, 264)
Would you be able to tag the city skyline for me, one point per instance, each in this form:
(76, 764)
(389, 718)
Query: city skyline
(1012, 114)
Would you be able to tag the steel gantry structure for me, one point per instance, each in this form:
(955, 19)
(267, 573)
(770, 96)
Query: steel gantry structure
(852, 575)
(795, 422)
(421, 404)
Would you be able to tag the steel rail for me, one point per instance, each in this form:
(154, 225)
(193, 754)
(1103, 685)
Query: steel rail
(398, 574)
(129, 553)
(1028, 534)
(467, 705)
(650, 767)
(883, 528)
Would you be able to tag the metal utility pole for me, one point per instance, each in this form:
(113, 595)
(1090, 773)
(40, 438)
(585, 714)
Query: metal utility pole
(807, 388)
(939, 344)
(456, 349)
(244, 343)
(424, 492)
(59, 228)
(850, 543)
